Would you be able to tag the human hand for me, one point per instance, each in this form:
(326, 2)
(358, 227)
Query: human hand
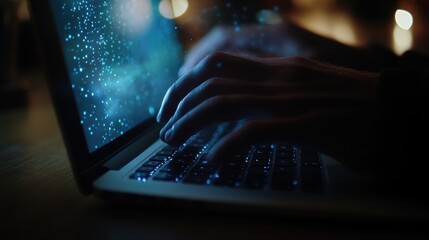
(295, 100)
(285, 40)
(255, 40)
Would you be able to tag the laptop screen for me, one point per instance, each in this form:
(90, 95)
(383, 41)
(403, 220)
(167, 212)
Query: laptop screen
(121, 56)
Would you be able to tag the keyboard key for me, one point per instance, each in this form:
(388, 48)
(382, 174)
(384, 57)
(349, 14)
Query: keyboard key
(258, 170)
(285, 148)
(260, 161)
(283, 182)
(230, 170)
(191, 149)
(285, 162)
(198, 178)
(198, 144)
(286, 155)
(242, 155)
(173, 168)
(159, 158)
(170, 148)
(238, 165)
(309, 158)
(263, 147)
(311, 164)
(165, 153)
(284, 170)
(153, 163)
(262, 155)
(167, 176)
(205, 162)
(182, 161)
(145, 169)
(205, 169)
(187, 155)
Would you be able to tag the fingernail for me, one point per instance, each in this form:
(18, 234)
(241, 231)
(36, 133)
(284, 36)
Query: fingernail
(161, 115)
(180, 72)
(158, 117)
(168, 135)
(167, 126)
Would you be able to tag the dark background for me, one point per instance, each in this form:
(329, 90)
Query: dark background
(39, 198)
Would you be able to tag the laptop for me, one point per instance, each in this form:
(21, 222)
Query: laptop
(109, 64)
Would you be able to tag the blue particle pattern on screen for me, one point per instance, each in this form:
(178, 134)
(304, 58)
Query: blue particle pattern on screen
(122, 56)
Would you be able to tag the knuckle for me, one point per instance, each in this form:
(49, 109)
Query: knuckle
(220, 30)
(252, 129)
(173, 88)
(213, 59)
(251, 126)
(211, 85)
(216, 103)
(214, 56)
(181, 107)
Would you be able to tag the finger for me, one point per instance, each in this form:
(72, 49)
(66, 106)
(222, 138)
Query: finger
(255, 132)
(222, 86)
(212, 42)
(323, 130)
(231, 106)
(300, 94)
(214, 110)
(265, 100)
(221, 65)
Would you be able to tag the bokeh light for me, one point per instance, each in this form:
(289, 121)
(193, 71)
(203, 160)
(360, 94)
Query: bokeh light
(404, 19)
(132, 16)
(268, 17)
(173, 8)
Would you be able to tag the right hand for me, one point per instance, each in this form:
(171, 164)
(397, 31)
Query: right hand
(296, 100)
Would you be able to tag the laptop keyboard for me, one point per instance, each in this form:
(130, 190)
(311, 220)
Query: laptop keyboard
(278, 167)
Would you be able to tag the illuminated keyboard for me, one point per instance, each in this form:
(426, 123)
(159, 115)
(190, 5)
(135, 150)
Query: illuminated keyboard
(277, 167)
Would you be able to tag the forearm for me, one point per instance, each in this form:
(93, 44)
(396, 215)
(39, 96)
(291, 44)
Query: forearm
(309, 44)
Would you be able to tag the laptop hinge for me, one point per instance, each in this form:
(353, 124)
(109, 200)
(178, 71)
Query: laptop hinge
(132, 150)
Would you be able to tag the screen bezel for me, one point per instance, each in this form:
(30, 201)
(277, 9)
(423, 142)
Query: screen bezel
(86, 165)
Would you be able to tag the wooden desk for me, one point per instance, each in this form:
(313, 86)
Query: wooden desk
(39, 197)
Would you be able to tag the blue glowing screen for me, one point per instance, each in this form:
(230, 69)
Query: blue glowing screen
(122, 56)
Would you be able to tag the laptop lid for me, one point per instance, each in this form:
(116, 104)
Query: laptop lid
(109, 63)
